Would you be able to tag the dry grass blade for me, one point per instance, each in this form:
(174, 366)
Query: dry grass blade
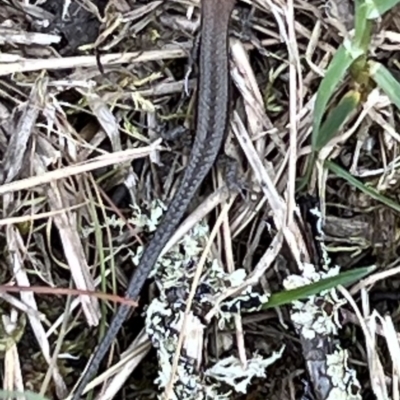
(31, 65)
(93, 98)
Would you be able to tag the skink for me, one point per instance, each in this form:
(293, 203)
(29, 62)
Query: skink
(212, 119)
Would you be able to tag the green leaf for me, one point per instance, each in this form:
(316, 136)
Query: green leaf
(363, 26)
(373, 193)
(344, 279)
(386, 81)
(378, 7)
(336, 119)
(340, 64)
(7, 394)
(333, 123)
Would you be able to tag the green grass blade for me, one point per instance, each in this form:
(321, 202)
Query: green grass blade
(334, 122)
(336, 119)
(378, 7)
(363, 26)
(344, 279)
(341, 173)
(386, 81)
(9, 394)
(339, 66)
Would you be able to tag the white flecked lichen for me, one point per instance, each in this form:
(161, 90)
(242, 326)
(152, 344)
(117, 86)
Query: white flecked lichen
(309, 317)
(173, 275)
(231, 372)
(316, 319)
(343, 378)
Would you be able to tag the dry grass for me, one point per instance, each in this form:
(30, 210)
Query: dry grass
(83, 110)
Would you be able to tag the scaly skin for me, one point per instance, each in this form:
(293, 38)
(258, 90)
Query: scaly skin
(212, 119)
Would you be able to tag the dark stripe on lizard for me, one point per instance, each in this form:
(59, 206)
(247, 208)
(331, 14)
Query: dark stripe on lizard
(212, 119)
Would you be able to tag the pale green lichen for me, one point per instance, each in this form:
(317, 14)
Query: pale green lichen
(342, 377)
(316, 325)
(231, 372)
(173, 275)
